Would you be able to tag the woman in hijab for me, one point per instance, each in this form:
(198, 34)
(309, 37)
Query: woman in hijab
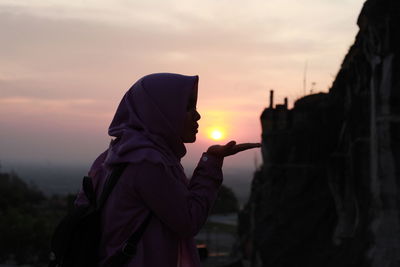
(156, 116)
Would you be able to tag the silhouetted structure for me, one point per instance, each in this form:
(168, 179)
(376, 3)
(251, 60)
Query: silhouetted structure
(327, 194)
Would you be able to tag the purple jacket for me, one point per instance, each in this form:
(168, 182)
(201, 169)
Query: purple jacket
(179, 207)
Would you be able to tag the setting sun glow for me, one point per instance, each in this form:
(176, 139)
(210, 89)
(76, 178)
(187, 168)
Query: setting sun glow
(216, 134)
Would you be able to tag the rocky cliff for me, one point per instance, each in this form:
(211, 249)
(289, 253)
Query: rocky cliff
(328, 191)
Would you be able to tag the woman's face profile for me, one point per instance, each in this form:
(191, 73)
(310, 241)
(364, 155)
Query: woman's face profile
(192, 116)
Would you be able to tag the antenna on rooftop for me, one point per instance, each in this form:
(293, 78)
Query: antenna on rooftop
(271, 99)
(305, 78)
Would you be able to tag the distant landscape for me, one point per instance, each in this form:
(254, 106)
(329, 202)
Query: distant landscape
(34, 197)
(65, 179)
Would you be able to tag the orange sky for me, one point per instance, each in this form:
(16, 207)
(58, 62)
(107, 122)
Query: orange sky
(66, 64)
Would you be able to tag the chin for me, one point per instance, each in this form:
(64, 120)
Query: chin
(191, 139)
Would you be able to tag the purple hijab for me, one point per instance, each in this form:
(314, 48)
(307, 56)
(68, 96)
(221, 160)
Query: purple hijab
(149, 120)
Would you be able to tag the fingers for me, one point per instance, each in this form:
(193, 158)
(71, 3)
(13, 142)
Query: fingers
(244, 146)
(230, 143)
(248, 145)
(231, 148)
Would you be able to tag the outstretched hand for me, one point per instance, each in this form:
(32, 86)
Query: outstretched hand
(230, 148)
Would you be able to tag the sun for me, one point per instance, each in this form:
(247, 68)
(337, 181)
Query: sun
(216, 134)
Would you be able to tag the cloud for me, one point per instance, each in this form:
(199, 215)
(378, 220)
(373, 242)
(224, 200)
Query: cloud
(84, 109)
(225, 36)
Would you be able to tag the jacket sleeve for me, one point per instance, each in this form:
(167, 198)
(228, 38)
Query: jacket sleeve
(183, 208)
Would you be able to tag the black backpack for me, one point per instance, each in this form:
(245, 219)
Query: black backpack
(76, 239)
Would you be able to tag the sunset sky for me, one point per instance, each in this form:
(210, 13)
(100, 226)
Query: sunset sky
(64, 65)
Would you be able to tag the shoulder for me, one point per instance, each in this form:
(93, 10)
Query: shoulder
(139, 174)
(144, 166)
(144, 170)
(145, 175)
(146, 155)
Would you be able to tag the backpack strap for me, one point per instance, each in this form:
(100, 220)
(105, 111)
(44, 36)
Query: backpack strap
(87, 187)
(129, 249)
(110, 183)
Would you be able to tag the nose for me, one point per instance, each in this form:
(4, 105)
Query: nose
(197, 116)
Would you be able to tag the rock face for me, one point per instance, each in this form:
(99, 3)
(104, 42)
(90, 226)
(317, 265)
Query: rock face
(328, 192)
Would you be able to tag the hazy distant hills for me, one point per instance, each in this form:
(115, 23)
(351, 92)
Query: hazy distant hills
(64, 179)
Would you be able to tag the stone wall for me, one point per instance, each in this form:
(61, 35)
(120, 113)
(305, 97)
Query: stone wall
(327, 194)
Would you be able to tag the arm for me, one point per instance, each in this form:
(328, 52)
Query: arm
(184, 209)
